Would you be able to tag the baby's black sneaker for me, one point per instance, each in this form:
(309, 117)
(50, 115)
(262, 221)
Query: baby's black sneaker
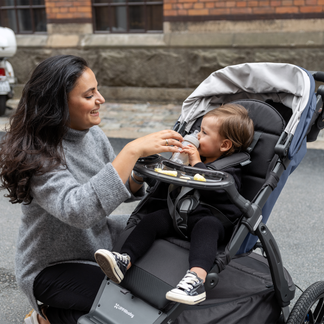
(190, 290)
(113, 264)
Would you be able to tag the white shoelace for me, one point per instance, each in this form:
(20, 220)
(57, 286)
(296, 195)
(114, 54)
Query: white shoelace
(122, 258)
(188, 281)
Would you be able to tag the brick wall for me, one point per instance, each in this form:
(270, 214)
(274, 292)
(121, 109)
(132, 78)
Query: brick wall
(236, 8)
(62, 10)
(80, 11)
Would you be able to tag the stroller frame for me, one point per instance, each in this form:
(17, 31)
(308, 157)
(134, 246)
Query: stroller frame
(106, 308)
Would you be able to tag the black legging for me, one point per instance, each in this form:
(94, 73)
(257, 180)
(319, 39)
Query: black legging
(70, 290)
(204, 231)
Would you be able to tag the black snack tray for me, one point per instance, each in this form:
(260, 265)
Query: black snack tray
(185, 174)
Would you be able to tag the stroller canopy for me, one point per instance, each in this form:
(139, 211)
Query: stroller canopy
(285, 83)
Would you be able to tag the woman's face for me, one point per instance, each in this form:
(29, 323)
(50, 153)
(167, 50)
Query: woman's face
(84, 102)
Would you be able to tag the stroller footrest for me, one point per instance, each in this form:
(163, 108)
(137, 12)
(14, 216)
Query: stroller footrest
(117, 305)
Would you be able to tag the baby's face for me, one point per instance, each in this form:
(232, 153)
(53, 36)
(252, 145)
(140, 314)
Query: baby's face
(210, 141)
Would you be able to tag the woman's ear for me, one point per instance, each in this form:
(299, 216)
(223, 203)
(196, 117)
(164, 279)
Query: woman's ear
(226, 145)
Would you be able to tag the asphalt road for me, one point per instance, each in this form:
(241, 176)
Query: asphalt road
(296, 223)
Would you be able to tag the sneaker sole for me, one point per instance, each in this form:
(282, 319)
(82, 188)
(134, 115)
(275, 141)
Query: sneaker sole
(108, 265)
(189, 300)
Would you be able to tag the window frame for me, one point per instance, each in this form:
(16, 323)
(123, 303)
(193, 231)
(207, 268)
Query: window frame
(30, 8)
(108, 4)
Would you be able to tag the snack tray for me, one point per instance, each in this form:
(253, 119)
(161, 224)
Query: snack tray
(184, 175)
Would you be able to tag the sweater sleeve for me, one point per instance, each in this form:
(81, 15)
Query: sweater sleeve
(79, 205)
(110, 154)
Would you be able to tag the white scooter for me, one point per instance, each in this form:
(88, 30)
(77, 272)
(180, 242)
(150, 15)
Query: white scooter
(8, 48)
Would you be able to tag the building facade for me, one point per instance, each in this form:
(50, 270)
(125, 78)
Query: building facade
(153, 50)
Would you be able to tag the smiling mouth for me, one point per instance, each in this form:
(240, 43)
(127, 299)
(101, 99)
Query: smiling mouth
(94, 112)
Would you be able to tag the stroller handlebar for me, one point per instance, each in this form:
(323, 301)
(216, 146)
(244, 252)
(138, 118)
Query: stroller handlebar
(318, 75)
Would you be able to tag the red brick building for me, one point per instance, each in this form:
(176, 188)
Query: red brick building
(236, 10)
(147, 16)
(65, 10)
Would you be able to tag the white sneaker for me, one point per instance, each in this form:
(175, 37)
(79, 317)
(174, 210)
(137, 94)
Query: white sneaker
(31, 317)
(113, 264)
(190, 290)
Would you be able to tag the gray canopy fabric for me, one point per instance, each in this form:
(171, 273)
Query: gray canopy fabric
(281, 82)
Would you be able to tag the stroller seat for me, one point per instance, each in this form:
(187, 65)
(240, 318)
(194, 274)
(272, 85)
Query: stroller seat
(156, 269)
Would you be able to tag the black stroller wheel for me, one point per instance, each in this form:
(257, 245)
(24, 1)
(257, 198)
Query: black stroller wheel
(309, 308)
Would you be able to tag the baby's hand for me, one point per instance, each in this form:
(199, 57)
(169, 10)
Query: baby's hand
(193, 154)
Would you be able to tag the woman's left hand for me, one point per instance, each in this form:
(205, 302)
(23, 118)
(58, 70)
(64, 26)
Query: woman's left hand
(163, 141)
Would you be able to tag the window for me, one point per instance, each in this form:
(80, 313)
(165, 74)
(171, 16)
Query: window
(23, 16)
(127, 16)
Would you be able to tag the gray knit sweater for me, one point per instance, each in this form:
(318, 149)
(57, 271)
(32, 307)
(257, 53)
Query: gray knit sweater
(67, 219)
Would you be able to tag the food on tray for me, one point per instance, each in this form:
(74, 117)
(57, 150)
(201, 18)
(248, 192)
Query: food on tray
(183, 177)
(167, 172)
(199, 177)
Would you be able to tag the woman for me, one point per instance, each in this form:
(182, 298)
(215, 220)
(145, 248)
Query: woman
(57, 162)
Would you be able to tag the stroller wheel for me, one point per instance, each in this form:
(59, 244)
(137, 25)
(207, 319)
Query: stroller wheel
(309, 308)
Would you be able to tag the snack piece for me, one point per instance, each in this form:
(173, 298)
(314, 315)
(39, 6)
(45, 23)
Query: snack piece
(167, 172)
(199, 177)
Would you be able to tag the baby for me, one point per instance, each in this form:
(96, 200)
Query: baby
(224, 130)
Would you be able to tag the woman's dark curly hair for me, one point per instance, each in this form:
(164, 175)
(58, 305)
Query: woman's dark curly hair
(33, 142)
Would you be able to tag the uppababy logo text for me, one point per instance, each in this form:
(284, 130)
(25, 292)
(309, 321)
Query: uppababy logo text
(117, 306)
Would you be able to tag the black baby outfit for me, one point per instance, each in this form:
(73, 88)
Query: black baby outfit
(204, 229)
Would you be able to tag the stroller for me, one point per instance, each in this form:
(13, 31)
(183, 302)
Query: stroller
(243, 286)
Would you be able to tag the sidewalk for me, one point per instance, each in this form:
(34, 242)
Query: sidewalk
(128, 120)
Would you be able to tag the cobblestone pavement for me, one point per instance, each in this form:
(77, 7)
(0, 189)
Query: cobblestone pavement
(129, 120)
(135, 120)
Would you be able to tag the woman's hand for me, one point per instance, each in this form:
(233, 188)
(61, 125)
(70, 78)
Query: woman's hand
(163, 141)
(193, 154)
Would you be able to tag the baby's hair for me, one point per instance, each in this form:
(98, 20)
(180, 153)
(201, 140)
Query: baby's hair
(236, 126)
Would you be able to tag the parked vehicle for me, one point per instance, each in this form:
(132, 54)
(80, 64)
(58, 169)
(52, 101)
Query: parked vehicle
(8, 48)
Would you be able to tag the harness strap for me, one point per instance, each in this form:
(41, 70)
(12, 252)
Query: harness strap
(238, 158)
(185, 206)
(255, 140)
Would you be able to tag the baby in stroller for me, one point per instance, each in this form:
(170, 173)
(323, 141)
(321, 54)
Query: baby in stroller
(224, 130)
